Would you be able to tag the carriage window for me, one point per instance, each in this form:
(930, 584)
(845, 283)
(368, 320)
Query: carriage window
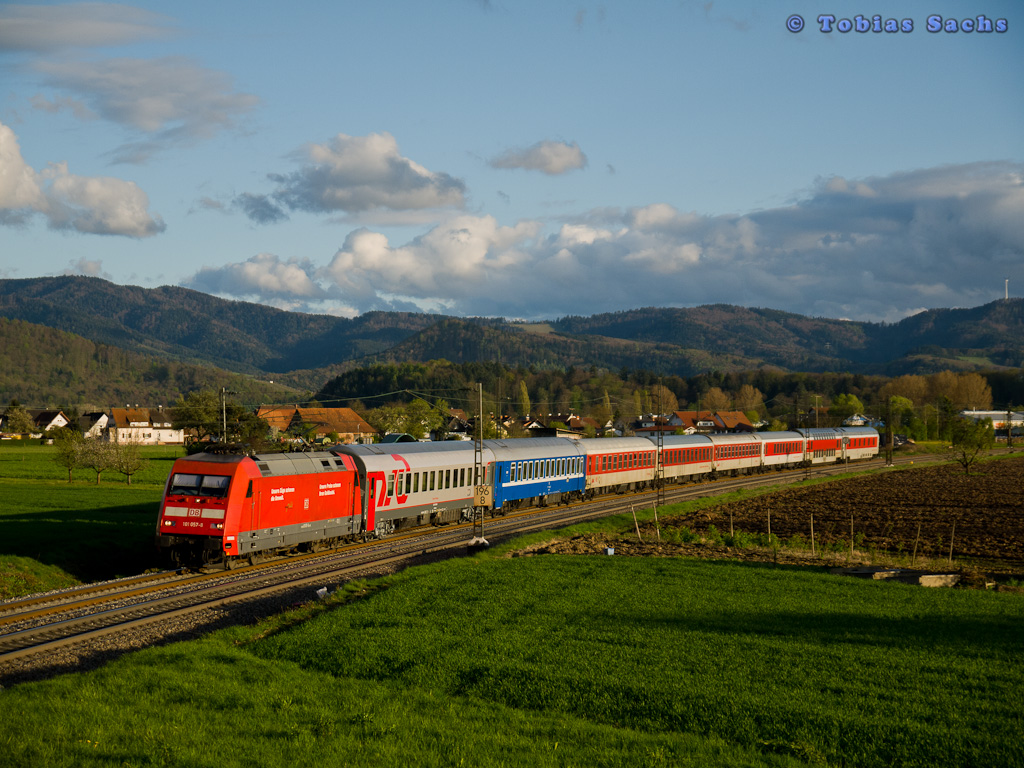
(391, 483)
(447, 478)
(432, 480)
(416, 482)
(408, 483)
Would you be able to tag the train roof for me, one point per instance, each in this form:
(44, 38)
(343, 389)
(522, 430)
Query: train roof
(600, 445)
(279, 464)
(382, 449)
(520, 449)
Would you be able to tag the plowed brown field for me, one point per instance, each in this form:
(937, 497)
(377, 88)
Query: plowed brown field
(892, 512)
(982, 512)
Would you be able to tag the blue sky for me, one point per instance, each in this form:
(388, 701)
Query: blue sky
(522, 159)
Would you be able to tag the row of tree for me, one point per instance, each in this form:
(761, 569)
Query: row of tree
(921, 406)
(75, 452)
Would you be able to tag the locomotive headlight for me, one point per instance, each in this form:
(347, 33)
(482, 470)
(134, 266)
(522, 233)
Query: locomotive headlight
(218, 526)
(168, 522)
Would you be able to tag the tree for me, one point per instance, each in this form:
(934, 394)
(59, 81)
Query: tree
(748, 399)
(419, 418)
(914, 388)
(198, 413)
(440, 418)
(664, 399)
(844, 406)
(524, 399)
(973, 392)
(715, 400)
(386, 419)
(127, 459)
(252, 430)
(970, 438)
(98, 456)
(19, 421)
(70, 449)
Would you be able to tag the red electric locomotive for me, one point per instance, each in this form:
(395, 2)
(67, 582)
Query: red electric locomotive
(224, 507)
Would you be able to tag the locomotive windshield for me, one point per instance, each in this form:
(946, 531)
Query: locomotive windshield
(183, 484)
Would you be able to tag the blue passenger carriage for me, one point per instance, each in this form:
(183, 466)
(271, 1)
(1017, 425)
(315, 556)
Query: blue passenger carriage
(543, 468)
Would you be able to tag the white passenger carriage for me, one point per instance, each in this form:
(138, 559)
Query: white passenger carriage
(619, 463)
(416, 483)
(685, 457)
(859, 443)
(736, 453)
(782, 449)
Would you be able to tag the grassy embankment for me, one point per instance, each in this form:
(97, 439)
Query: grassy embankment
(561, 661)
(55, 534)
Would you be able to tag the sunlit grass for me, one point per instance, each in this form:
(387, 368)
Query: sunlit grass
(563, 661)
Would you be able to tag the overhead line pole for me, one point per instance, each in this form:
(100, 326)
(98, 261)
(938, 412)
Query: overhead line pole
(481, 495)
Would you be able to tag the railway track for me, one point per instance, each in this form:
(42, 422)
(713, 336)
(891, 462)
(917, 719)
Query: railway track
(93, 614)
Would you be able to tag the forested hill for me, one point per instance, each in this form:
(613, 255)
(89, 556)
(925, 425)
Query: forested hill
(173, 323)
(44, 367)
(183, 324)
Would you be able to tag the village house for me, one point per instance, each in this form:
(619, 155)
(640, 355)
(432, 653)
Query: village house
(94, 424)
(701, 422)
(47, 420)
(145, 426)
(348, 425)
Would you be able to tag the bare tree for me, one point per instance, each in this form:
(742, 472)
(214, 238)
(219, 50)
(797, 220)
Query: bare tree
(715, 400)
(128, 458)
(70, 449)
(99, 456)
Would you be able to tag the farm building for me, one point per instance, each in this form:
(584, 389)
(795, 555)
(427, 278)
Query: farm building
(349, 426)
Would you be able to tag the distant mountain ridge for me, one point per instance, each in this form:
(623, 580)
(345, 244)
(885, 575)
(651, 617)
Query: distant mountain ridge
(180, 324)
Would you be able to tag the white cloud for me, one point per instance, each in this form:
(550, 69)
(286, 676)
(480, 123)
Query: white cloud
(551, 157)
(355, 174)
(172, 100)
(45, 28)
(930, 238)
(264, 275)
(89, 204)
(19, 186)
(87, 267)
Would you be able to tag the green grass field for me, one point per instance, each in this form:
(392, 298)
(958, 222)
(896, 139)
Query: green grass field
(55, 534)
(562, 661)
